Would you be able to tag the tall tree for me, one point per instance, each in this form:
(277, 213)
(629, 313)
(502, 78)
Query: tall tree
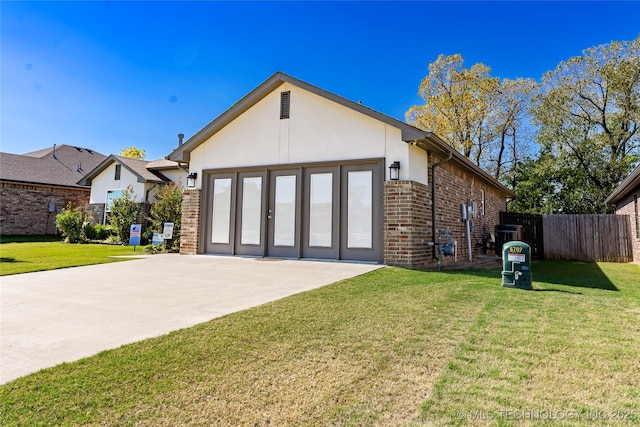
(588, 114)
(479, 115)
(511, 142)
(133, 153)
(458, 103)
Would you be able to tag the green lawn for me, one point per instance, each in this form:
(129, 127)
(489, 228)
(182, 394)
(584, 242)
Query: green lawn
(27, 254)
(392, 347)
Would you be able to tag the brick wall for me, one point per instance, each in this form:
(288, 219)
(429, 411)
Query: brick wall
(407, 223)
(190, 222)
(96, 211)
(629, 206)
(24, 208)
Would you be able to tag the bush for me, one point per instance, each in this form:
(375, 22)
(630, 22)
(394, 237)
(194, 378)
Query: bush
(167, 208)
(124, 212)
(102, 232)
(88, 231)
(71, 223)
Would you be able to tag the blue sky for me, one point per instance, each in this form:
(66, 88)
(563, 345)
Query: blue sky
(108, 74)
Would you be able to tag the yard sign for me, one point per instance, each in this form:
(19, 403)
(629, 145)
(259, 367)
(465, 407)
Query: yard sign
(134, 235)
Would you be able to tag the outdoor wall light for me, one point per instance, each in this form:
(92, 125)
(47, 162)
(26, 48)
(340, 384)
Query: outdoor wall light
(191, 180)
(394, 171)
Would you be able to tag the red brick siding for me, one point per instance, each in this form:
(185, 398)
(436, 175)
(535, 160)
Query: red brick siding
(24, 208)
(628, 207)
(190, 229)
(407, 222)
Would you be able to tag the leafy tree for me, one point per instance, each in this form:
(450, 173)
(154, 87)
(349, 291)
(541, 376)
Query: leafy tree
(511, 130)
(133, 153)
(479, 115)
(458, 103)
(167, 208)
(71, 223)
(588, 115)
(124, 212)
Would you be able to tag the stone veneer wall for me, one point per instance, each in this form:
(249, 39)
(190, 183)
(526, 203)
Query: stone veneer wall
(407, 222)
(96, 212)
(24, 208)
(630, 206)
(189, 232)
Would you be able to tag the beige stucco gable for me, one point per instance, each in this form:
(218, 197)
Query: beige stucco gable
(318, 130)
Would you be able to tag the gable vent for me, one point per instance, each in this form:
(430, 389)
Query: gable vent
(284, 104)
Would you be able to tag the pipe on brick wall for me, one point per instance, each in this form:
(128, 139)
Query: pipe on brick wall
(436, 255)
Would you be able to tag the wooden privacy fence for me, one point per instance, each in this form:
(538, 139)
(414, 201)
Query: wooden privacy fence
(589, 238)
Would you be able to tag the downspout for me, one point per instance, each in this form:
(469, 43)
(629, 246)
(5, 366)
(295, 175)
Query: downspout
(436, 255)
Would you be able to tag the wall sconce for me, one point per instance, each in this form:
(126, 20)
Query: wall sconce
(394, 171)
(191, 180)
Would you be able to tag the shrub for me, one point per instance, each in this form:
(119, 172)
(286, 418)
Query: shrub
(124, 212)
(71, 223)
(88, 231)
(167, 208)
(102, 232)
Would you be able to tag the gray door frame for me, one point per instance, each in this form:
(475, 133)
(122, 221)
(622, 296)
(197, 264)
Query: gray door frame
(339, 249)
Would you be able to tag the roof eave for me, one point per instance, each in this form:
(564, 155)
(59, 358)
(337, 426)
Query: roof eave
(631, 182)
(182, 153)
(434, 144)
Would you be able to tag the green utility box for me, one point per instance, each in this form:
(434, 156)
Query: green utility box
(516, 265)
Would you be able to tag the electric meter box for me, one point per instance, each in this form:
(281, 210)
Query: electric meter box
(516, 265)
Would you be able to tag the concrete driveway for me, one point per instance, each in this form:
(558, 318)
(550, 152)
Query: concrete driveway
(63, 315)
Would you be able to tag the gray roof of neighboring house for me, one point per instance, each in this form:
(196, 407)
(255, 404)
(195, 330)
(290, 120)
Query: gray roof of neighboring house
(162, 164)
(145, 171)
(40, 167)
(424, 139)
(631, 183)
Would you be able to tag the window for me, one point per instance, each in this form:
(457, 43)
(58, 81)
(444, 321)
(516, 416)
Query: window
(284, 104)
(320, 210)
(111, 195)
(482, 200)
(360, 210)
(251, 210)
(285, 214)
(221, 211)
(118, 171)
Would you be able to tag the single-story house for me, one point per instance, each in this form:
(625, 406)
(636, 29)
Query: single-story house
(294, 171)
(625, 198)
(114, 174)
(36, 186)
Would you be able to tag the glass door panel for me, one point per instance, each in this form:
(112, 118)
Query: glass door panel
(250, 239)
(360, 210)
(282, 214)
(285, 211)
(221, 218)
(321, 210)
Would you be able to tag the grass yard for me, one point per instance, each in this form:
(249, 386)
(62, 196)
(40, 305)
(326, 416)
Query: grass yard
(392, 347)
(37, 253)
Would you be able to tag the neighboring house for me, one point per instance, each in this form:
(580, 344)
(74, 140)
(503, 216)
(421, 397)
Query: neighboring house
(625, 198)
(292, 170)
(113, 175)
(34, 187)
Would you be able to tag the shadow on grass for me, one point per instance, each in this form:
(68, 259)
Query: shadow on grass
(566, 273)
(557, 290)
(8, 260)
(572, 273)
(29, 239)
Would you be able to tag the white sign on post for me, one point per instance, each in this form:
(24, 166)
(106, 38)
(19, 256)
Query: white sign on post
(168, 230)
